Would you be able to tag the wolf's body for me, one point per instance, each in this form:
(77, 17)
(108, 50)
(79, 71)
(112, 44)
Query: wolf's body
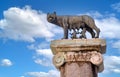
(74, 22)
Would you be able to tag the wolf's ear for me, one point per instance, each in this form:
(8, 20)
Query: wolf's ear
(54, 12)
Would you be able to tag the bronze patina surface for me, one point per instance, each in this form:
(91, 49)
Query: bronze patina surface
(75, 23)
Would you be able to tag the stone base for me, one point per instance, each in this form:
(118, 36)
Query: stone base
(78, 57)
(66, 45)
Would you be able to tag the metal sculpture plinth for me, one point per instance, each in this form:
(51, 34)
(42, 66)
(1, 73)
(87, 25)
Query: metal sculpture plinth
(78, 57)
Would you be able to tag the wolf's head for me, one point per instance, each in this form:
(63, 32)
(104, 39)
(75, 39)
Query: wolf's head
(51, 17)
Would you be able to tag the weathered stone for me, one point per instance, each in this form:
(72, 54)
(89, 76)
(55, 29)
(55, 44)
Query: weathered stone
(78, 45)
(59, 60)
(78, 57)
(96, 59)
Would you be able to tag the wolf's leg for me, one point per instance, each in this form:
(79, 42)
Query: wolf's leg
(90, 30)
(93, 34)
(65, 32)
(97, 31)
(83, 33)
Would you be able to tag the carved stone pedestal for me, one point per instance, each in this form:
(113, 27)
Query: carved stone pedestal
(78, 57)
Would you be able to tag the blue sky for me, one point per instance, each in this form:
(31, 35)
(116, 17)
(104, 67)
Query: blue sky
(25, 34)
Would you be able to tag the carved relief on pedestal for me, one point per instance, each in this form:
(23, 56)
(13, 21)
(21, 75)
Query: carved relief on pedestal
(59, 59)
(96, 58)
(82, 56)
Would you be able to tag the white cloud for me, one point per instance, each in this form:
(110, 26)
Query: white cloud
(116, 44)
(6, 62)
(51, 73)
(94, 14)
(44, 61)
(26, 24)
(32, 47)
(44, 52)
(112, 64)
(98, 15)
(43, 57)
(42, 45)
(116, 6)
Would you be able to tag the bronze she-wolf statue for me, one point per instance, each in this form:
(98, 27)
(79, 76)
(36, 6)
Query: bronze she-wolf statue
(75, 23)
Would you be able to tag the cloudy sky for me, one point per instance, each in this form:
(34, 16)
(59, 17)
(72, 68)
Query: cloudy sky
(25, 34)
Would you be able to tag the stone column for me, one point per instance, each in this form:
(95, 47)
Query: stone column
(78, 57)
